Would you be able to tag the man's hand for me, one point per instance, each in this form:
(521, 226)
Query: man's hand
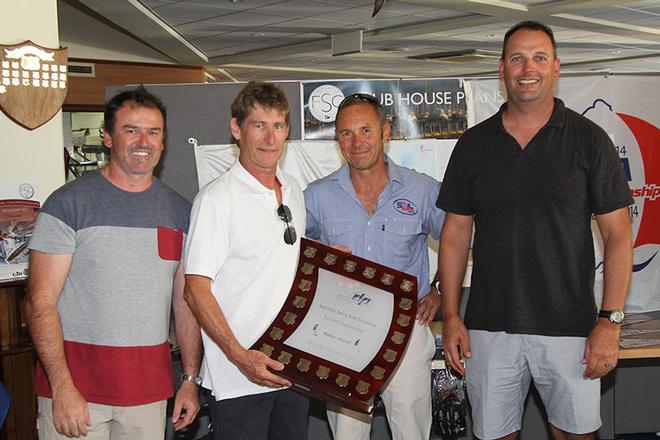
(428, 307)
(455, 341)
(255, 364)
(186, 405)
(601, 350)
(70, 412)
(341, 247)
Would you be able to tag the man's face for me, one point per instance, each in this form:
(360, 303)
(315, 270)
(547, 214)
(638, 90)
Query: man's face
(360, 135)
(136, 141)
(529, 67)
(261, 138)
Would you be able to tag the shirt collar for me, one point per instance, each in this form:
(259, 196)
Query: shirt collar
(557, 118)
(243, 175)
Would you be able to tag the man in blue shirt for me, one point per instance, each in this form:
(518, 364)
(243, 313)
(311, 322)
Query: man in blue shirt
(383, 212)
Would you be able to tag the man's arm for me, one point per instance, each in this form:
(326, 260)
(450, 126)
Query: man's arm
(452, 259)
(252, 363)
(428, 307)
(48, 273)
(434, 219)
(602, 346)
(186, 404)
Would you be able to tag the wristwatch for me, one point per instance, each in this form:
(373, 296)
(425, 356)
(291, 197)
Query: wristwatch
(436, 283)
(194, 379)
(615, 316)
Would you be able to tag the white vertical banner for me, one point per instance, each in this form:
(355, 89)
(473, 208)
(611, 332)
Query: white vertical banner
(627, 109)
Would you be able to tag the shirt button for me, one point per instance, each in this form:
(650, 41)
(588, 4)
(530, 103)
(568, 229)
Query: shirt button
(369, 248)
(368, 223)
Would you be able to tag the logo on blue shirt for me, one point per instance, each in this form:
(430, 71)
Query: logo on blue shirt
(405, 206)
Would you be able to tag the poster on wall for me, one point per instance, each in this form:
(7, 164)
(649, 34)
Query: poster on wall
(626, 108)
(415, 109)
(18, 215)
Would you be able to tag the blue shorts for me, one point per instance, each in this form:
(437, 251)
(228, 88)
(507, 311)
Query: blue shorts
(500, 371)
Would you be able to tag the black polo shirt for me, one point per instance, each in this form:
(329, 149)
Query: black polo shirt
(533, 250)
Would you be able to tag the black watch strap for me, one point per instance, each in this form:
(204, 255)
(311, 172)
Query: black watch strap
(615, 316)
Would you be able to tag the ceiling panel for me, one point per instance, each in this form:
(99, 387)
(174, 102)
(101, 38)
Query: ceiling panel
(302, 8)
(291, 39)
(179, 13)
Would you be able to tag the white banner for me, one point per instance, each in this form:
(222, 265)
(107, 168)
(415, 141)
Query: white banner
(307, 161)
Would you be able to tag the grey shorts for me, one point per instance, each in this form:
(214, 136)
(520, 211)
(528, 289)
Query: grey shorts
(500, 371)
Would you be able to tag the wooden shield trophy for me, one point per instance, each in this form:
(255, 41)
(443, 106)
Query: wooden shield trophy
(344, 326)
(32, 82)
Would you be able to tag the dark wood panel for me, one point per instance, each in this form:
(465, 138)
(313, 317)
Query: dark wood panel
(13, 329)
(89, 92)
(17, 372)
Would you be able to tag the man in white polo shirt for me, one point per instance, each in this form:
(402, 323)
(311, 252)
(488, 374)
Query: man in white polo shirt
(240, 261)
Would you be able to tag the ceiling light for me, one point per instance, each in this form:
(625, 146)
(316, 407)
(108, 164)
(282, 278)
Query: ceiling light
(600, 22)
(459, 56)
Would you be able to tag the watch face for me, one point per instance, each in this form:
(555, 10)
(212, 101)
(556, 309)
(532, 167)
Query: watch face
(617, 316)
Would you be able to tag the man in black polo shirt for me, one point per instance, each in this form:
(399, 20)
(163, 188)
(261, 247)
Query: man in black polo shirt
(529, 179)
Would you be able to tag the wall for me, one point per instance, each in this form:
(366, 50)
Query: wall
(34, 156)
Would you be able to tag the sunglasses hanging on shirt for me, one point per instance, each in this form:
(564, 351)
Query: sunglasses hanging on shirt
(284, 213)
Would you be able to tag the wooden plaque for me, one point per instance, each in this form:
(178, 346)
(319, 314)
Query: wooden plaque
(344, 326)
(33, 82)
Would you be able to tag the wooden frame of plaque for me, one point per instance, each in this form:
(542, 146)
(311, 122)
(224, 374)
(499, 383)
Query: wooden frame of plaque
(324, 379)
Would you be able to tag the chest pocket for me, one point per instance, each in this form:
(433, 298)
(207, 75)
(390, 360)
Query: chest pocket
(403, 227)
(170, 243)
(401, 238)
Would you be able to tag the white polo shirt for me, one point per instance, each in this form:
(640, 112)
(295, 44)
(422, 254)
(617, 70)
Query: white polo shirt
(236, 239)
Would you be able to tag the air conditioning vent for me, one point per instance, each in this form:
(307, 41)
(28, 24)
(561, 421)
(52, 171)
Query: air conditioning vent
(459, 56)
(81, 69)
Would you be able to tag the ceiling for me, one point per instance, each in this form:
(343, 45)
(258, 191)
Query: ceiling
(241, 40)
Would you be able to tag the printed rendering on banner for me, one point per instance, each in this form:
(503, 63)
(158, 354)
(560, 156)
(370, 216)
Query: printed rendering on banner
(637, 142)
(17, 219)
(415, 109)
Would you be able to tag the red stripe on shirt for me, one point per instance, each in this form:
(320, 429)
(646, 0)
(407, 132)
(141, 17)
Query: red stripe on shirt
(121, 376)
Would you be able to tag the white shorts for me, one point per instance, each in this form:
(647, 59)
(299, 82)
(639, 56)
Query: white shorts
(500, 371)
